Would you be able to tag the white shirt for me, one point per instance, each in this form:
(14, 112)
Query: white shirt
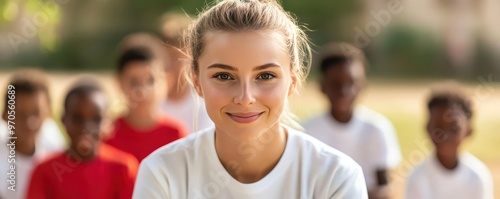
(369, 138)
(190, 168)
(471, 179)
(50, 140)
(50, 137)
(186, 109)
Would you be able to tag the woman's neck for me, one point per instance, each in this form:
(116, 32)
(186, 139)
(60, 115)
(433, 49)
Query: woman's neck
(249, 161)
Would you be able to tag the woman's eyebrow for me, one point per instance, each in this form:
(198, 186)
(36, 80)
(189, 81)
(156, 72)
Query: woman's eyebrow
(266, 66)
(222, 66)
(232, 68)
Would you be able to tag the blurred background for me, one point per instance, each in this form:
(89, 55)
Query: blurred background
(410, 46)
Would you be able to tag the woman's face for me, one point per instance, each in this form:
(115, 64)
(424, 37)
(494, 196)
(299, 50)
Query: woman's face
(245, 79)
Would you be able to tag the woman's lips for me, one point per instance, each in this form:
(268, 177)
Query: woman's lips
(247, 117)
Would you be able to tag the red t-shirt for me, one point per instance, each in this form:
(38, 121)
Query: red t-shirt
(110, 175)
(141, 143)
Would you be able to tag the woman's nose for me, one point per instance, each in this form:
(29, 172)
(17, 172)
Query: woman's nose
(245, 94)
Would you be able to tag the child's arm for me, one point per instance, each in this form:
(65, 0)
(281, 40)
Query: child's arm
(382, 189)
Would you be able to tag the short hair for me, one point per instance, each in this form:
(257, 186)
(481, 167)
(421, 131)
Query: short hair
(335, 54)
(450, 94)
(173, 27)
(29, 81)
(138, 53)
(83, 86)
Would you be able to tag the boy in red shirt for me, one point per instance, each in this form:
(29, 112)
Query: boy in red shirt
(142, 129)
(88, 169)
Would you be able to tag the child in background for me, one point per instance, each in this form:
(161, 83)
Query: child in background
(142, 129)
(364, 135)
(449, 173)
(88, 169)
(37, 134)
(182, 102)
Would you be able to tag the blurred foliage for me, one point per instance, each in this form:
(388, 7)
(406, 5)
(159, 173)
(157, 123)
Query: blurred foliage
(82, 35)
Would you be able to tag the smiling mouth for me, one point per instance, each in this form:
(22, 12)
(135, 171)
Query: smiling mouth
(245, 117)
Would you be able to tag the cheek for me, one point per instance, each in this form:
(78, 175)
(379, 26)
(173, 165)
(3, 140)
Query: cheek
(274, 97)
(216, 96)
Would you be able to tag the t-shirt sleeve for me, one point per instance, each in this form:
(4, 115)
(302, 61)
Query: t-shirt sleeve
(127, 179)
(150, 182)
(353, 186)
(389, 154)
(37, 188)
(487, 185)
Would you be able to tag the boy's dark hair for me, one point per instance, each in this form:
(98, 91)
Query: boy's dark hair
(29, 81)
(337, 54)
(82, 87)
(450, 94)
(138, 53)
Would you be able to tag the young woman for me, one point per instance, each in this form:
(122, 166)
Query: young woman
(247, 58)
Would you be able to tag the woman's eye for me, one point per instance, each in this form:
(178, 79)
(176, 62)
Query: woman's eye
(223, 77)
(266, 76)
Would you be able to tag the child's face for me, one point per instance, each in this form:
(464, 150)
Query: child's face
(447, 127)
(245, 79)
(83, 120)
(139, 82)
(176, 61)
(342, 84)
(31, 111)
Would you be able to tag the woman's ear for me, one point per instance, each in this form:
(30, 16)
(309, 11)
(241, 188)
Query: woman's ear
(293, 84)
(196, 84)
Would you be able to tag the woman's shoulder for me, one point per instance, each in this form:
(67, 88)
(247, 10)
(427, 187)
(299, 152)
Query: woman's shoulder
(181, 150)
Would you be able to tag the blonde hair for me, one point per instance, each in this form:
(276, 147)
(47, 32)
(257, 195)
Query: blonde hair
(249, 15)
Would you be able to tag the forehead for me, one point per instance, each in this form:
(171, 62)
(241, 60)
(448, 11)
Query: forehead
(244, 49)
(142, 68)
(87, 101)
(352, 70)
(29, 101)
(446, 113)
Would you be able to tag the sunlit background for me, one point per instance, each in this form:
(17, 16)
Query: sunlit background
(410, 45)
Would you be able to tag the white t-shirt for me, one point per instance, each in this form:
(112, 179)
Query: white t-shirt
(186, 109)
(470, 180)
(369, 138)
(190, 168)
(50, 140)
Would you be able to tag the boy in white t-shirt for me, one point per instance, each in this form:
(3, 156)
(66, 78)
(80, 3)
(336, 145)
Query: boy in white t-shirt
(33, 135)
(448, 173)
(364, 135)
(182, 102)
